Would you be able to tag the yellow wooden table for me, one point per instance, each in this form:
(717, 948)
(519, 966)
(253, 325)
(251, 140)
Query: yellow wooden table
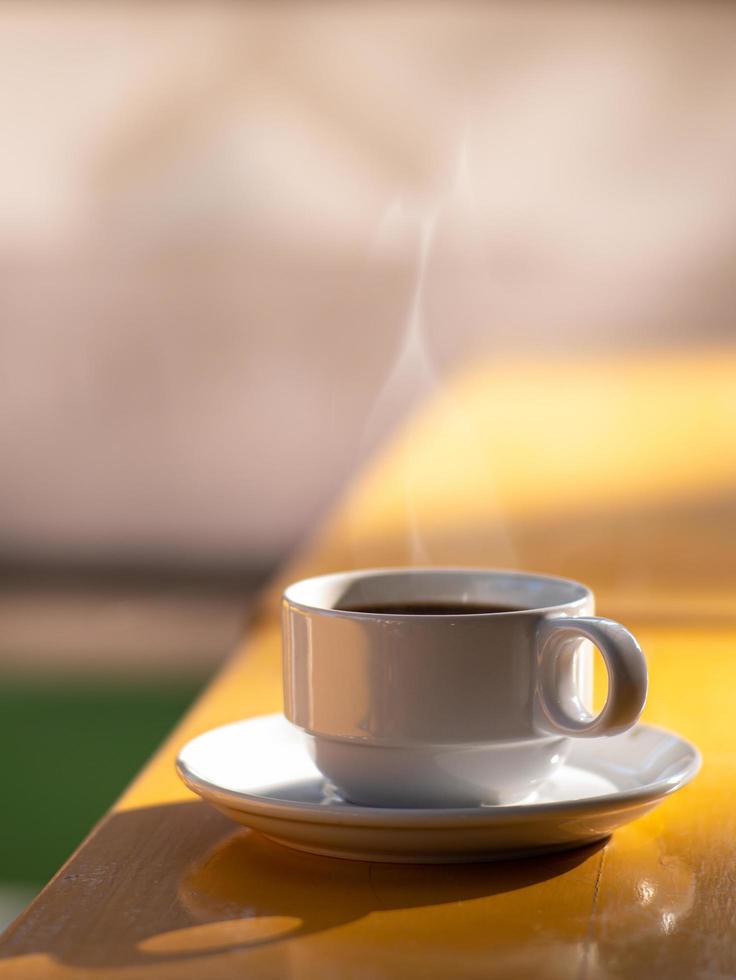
(619, 472)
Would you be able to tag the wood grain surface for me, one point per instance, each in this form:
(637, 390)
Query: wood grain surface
(620, 473)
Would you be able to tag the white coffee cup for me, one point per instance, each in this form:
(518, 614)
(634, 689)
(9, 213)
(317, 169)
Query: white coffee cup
(451, 709)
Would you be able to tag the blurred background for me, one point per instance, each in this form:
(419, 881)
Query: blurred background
(240, 243)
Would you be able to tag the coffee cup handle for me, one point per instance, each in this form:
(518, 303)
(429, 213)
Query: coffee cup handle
(562, 710)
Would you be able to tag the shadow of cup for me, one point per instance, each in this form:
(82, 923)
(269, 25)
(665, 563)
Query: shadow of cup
(248, 893)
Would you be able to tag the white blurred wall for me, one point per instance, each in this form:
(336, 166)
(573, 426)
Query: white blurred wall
(211, 219)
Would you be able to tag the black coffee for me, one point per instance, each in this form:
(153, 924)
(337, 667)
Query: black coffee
(427, 608)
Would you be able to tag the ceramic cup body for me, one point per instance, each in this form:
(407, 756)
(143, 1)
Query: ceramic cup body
(451, 709)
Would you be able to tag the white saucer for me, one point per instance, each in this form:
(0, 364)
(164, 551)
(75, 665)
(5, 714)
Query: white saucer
(258, 772)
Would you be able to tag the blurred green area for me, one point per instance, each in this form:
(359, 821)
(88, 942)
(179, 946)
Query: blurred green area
(70, 746)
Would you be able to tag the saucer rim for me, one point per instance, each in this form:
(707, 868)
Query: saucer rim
(353, 814)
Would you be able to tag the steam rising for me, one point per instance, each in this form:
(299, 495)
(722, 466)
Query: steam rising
(412, 373)
(414, 381)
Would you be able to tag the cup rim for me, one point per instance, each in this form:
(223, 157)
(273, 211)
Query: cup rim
(584, 593)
